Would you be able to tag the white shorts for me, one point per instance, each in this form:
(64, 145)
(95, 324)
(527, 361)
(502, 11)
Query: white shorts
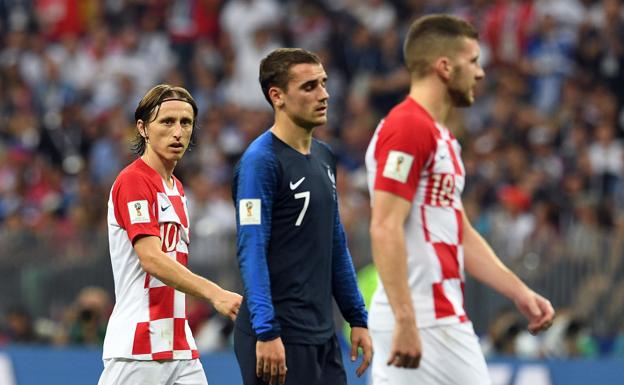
(451, 355)
(119, 371)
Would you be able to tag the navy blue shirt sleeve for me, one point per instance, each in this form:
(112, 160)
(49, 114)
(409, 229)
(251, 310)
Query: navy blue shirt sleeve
(344, 282)
(256, 179)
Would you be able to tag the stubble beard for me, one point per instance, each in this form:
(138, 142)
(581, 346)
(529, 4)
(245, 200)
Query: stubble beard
(460, 97)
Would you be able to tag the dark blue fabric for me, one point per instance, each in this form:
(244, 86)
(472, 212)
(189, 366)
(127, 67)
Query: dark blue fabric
(344, 280)
(256, 176)
(320, 364)
(296, 260)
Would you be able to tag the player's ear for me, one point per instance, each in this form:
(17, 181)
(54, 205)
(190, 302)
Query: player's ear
(140, 125)
(443, 67)
(277, 96)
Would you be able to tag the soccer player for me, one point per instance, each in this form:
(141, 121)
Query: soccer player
(148, 340)
(292, 250)
(421, 238)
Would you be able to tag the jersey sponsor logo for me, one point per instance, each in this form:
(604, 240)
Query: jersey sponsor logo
(164, 208)
(398, 166)
(138, 211)
(294, 186)
(249, 212)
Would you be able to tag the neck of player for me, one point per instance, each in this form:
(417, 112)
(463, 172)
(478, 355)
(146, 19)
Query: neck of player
(297, 137)
(163, 167)
(433, 96)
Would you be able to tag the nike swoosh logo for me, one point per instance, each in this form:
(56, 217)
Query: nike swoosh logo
(295, 185)
(164, 208)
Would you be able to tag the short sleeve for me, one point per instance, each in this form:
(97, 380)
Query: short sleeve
(134, 203)
(404, 146)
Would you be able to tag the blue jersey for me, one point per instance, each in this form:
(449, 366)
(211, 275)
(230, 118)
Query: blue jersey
(292, 250)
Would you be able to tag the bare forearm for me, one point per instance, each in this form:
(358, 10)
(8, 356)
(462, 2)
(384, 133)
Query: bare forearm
(176, 275)
(390, 258)
(482, 263)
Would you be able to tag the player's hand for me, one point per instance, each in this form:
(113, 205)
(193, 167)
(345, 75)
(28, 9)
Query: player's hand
(536, 309)
(406, 348)
(271, 361)
(361, 339)
(228, 303)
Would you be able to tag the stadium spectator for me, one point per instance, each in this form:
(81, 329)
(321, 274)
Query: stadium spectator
(85, 322)
(18, 328)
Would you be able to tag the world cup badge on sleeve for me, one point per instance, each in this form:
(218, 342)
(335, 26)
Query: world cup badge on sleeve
(138, 212)
(249, 212)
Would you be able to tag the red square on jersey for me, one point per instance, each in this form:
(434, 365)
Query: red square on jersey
(142, 344)
(182, 258)
(179, 334)
(447, 255)
(161, 302)
(443, 307)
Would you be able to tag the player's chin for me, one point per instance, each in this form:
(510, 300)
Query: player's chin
(320, 120)
(176, 155)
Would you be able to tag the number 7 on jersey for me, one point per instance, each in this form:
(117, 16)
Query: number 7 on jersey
(305, 195)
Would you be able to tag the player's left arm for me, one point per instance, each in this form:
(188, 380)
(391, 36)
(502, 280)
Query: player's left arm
(348, 296)
(482, 263)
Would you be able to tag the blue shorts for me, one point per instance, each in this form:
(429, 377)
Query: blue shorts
(307, 364)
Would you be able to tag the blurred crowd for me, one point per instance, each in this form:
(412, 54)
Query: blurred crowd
(542, 145)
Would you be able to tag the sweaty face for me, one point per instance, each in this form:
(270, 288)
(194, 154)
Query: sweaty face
(305, 99)
(169, 134)
(466, 73)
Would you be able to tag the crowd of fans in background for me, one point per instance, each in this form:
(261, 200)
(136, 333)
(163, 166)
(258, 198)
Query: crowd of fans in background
(542, 145)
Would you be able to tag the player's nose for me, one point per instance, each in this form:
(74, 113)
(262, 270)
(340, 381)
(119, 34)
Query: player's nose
(177, 130)
(324, 95)
(480, 73)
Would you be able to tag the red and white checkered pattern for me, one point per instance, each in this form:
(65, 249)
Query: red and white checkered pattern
(149, 318)
(409, 136)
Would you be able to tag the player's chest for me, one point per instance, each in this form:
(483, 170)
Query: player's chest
(446, 158)
(444, 175)
(307, 188)
(172, 213)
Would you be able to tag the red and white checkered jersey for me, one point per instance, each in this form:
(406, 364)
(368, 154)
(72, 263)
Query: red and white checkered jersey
(149, 318)
(416, 158)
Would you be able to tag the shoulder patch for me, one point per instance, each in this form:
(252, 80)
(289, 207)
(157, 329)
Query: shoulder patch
(398, 165)
(138, 211)
(249, 212)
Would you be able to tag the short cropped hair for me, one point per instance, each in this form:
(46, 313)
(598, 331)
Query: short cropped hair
(432, 36)
(275, 68)
(148, 108)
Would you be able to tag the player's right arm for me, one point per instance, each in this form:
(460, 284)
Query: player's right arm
(401, 152)
(255, 187)
(388, 246)
(172, 273)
